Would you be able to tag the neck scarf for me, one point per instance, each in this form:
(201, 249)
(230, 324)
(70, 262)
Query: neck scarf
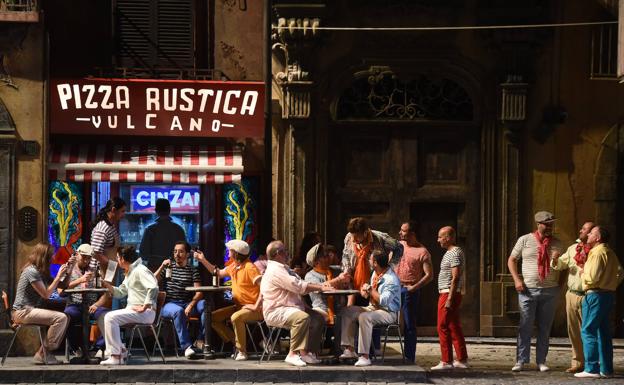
(362, 271)
(330, 299)
(543, 255)
(377, 278)
(582, 250)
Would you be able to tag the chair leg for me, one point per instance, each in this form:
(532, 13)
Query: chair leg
(143, 343)
(383, 352)
(162, 355)
(401, 343)
(10, 345)
(253, 343)
(156, 336)
(43, 348)
(130, 342)
(176, 346)
(278, 332)
(66, 349)
(267, 345)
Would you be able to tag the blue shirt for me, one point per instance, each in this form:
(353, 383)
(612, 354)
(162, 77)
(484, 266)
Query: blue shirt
(389, 289)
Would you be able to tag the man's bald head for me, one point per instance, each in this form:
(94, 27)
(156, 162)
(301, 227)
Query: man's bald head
(273, 249)
(446, 237)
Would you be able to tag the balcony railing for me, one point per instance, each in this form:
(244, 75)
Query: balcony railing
(24, 11)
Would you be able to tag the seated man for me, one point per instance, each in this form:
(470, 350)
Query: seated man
(180, 304)
(281, 291)
(245, 293)
(321, 273)
(83, 276)
(384, 294)
(141, 289)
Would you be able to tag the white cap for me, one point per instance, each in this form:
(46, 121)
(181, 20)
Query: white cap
(85, 249)
(312, 254)
(241, 247)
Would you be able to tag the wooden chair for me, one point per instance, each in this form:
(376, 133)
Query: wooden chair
(17, 327)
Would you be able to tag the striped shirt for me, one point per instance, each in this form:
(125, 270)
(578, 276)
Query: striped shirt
(181, 277)
(26, 294)
(452, 258)
(103, 236)
(525, 250)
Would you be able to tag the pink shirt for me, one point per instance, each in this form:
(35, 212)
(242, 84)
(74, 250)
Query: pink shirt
(281, 291)
(410, 269)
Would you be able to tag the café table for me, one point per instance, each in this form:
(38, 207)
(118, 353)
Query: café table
(86, 325)
(209, 292)
(338, 293)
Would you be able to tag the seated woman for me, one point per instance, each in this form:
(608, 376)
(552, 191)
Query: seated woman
(32, 288)
(141, 288)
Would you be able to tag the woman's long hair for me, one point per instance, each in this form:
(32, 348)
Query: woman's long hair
(114, 202)
(40, 258)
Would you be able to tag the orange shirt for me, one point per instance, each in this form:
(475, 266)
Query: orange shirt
(244, 279)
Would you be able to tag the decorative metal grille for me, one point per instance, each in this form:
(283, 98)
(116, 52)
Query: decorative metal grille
(383, 96)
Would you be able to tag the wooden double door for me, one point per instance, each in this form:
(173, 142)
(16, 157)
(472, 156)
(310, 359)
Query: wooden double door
(393, 173)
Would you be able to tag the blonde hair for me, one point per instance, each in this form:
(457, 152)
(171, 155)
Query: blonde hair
(40, 258)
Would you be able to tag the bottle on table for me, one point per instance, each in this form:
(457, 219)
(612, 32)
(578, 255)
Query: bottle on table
(215, 277)
(98, 279)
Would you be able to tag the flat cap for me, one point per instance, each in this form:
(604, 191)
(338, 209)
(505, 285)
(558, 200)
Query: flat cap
(241, 247)
(311, 255)
(85, 249)
(544, 217)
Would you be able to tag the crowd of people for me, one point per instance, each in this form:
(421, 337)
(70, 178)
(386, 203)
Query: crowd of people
(387, 276)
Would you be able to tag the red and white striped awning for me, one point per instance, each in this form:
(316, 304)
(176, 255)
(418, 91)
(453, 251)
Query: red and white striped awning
(157, 164)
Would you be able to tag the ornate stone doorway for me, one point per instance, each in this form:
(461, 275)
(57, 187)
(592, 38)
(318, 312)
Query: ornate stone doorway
(407, 147)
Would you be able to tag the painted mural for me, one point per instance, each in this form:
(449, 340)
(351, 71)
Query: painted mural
(64, 220)
(240, 203)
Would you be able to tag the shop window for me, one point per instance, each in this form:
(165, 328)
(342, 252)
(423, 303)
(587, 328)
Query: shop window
(153, 34)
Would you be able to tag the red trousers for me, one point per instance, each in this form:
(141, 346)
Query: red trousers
(449, 329)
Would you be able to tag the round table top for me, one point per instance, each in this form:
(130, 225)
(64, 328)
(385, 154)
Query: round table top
(80, 290)
(340, 292)
(208, 288)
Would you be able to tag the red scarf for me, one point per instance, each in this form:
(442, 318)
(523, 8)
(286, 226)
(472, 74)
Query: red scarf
(543, 255)
(377, 278)
(582, 250)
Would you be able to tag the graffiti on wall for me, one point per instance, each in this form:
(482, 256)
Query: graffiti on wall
(240, 213)
(64, 220)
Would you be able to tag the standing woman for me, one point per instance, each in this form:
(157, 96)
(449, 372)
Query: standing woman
(141, 288)
(32, 287)
(105, 236)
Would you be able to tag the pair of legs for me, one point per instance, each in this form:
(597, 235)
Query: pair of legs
(409, 311)
(74, 334)
(306, 331)
(536, 305)
(597, 343)
(450, 330)
(574, 317)
(113, 320)
(56, 320)
(175, 311)
(239, 317)
(366, 317)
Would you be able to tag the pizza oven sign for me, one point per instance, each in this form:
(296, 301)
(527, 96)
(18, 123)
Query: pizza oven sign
(157, 108)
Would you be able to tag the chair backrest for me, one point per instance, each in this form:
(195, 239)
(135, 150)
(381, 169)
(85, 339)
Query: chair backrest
(160, 302)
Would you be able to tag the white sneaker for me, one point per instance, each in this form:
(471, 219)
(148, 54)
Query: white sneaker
(240, 356)
(542, 367)
(442, 366)
(111, 361)
(460, 365)
(294, 360)
(310, 358)
(347, 354)
(189, 352)
(518, 367)
(586, 375)
(363, 361)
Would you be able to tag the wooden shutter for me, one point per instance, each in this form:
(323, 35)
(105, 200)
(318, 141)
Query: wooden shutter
(154, 33)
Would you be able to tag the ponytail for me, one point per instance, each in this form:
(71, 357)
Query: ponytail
(114, 202)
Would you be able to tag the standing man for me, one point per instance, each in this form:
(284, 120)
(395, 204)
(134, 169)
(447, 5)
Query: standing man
(414, 271)
(181, 304)
(359, 244)
(573, 260)
(281, 291)
(384, 293)
(450, 285)
(245, 293)
(601, 276)
(537, 289)
(160, 237)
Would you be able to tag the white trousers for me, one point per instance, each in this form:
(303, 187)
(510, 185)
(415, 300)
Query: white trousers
(116, 318)
(366, 317)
